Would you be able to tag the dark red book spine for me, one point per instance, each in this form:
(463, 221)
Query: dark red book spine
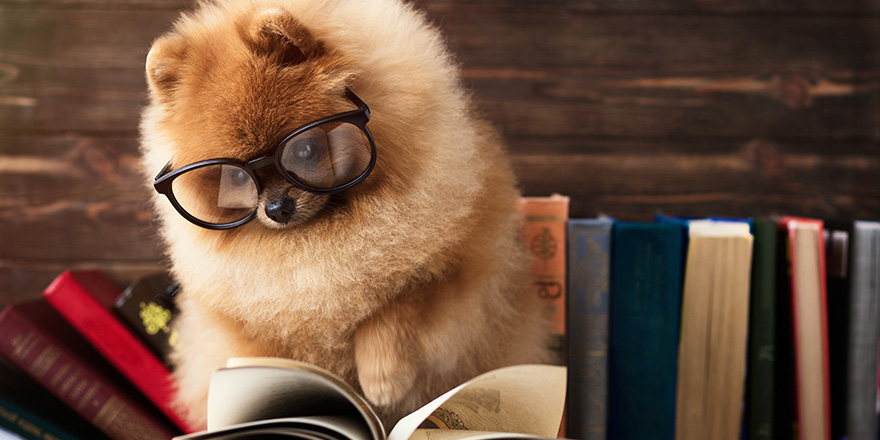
(73, 380)
(85, 299)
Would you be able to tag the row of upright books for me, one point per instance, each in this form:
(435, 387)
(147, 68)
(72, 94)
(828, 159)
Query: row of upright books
(86, 361)
(680, 328)
(760, 328)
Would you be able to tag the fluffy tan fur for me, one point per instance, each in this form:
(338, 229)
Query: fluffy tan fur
(405, 285)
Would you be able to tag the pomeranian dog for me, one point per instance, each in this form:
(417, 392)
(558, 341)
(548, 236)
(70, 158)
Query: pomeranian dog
(326, 194)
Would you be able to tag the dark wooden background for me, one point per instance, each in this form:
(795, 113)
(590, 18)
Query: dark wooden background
(689, 107)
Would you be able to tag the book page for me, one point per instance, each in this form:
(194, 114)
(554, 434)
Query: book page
(303, 428)
(452, 434)
(252, 389)
(525, 399)
(810, 333)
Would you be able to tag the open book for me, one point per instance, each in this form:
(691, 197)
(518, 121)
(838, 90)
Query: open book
(269, 398)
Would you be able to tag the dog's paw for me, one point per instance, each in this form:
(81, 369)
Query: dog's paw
(384, 387)
(385, 359)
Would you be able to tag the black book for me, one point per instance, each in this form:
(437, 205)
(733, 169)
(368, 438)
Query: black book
(147, 307)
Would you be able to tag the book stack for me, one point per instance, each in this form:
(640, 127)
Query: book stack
(74, 368)
(759, 328)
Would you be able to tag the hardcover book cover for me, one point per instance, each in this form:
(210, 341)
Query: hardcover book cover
(146, 306)
(544, 220)
(714, 331)
(645, 315)
(589, 275)
(806, 249)
(36, 340)
(85, 299)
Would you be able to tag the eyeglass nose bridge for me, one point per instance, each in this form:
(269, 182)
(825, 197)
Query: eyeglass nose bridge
(261, 162)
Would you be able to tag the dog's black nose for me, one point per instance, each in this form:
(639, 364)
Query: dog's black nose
(281, 209)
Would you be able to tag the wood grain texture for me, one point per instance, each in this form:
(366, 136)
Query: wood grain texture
(571, 6)
(630, 107)
(73, 198)
(634, 180)
(74, 70)
(627, 75)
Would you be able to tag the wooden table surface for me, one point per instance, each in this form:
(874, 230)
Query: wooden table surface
(700, 107)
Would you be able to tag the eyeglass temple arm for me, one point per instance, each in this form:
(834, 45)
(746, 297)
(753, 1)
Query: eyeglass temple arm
(164, 170)
(354, 98)
(358, 102)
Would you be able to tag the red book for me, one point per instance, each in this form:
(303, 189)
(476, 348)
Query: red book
(38, 341)
(806, 252)
(85, 299)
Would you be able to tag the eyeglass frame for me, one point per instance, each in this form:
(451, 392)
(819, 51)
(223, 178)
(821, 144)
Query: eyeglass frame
(162, 183)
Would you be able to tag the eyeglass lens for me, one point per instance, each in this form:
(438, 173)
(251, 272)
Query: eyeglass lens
(216, 193)
(324, 157)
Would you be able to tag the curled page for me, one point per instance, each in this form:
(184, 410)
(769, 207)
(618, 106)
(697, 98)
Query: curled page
(254, 389)
(522, 399)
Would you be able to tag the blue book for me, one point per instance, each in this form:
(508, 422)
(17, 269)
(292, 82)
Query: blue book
(589, 277)
(646, 286)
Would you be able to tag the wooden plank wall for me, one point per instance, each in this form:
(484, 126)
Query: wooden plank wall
(689, 107)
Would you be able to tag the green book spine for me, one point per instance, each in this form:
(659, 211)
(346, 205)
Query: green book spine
(762, 336)
(646, 289)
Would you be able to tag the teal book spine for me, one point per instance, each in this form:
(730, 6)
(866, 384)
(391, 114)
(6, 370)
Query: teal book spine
(645, 318)
(29, 424)
(589, 277)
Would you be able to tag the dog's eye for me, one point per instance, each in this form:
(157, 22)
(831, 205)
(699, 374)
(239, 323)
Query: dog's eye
(238, 177)
(304, 150)
(307, 158)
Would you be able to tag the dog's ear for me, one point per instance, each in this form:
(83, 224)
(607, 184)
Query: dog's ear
(276, 34)
(163, 63)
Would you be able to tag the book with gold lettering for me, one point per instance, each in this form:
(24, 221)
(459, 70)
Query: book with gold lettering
(589, 288)
(39, 342)
(544, 222)
(147, 308)
(85, 299)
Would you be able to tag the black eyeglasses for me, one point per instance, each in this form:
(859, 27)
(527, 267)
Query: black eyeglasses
(325, 156)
